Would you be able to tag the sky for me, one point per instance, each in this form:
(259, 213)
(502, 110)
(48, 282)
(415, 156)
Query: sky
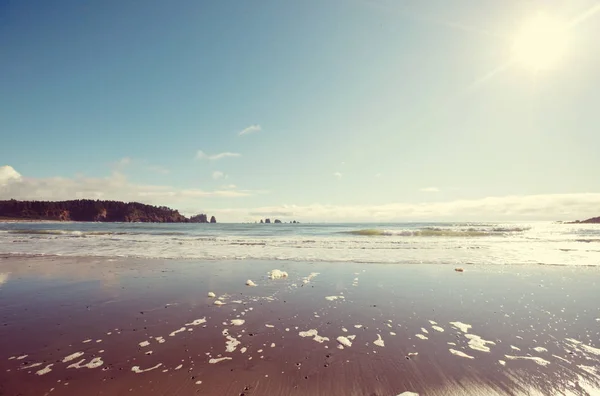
(315, 110)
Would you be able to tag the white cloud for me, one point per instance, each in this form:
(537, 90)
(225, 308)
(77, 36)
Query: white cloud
(114, 187)
(8, 174)
(218, 175)
(249, 130)
(338, 175)
(200, 155)
(430, 189)
(228, 186)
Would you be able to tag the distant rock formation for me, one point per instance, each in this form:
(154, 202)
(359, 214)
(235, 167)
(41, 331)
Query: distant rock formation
(94, 210)
(261, 221)
(213, 219)
(593, 220)
(200, 218)
(277, 221)
(267, 221)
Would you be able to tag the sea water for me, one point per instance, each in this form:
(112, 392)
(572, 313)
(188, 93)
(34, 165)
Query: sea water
(402, 243)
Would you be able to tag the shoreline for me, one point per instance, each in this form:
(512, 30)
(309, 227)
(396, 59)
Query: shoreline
(54, 305)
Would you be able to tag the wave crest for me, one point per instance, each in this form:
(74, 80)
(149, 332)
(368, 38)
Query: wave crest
(428, 232)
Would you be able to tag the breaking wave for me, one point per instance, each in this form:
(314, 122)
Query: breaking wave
(422, 233)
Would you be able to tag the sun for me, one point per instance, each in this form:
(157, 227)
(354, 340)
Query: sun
(541, 43)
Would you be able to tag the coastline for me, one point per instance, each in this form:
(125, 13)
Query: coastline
(53, 305)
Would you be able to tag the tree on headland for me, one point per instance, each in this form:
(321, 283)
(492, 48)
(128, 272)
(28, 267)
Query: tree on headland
(91, 210)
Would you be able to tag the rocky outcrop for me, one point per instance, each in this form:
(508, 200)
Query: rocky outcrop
(267, 221)
(593, 220)
(200, 218)
(261, 221)
(213, 219)
(277, 221)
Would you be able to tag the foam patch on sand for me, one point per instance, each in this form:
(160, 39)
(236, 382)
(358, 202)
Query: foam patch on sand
(45, 370)
(94, 363)
(32, 365)
(515, 348)
(433, 322)
(269, 326)
(502, 362)
(344, 341)
(460, 353)
(421, 336)
(333, 298)
(231, 344)
(537, 360)
(408, 394)
(219, 302)
(379, 341)
(583, 347)
(72, 356)
(137, 370)
(22, 357)
(160, 340)
(277, 274)
(424, 330)
(212, 295)
(358, 326)
(177, 331)
(477, 343)
(250, 283)
(590, 349)
(437, 328)
(197, 322)
(217, 360)
(237, 322)
(144, 344)
(461, 326)
(540, 349)
(315, 334)
(310, 277)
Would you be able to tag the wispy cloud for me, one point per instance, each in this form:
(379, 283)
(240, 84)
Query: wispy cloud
(116, 186)
(228, 186)
(218, 175)
(430, 189)
(377, 175)
(505, 208)
(249, 130)
(337, 175)
(158, 169)
(201, 155)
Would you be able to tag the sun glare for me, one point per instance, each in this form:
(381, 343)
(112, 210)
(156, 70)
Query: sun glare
(541, 43)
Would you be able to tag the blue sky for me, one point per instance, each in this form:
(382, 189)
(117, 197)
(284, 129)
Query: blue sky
(361, 108)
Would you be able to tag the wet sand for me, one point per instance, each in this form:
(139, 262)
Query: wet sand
(84, 326)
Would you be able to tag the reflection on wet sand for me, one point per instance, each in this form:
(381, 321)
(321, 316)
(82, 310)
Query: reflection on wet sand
(400, 330)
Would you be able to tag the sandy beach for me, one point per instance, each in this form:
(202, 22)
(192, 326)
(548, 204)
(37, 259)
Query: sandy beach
(73, 326)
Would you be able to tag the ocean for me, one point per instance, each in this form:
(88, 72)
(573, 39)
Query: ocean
(403, 243)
